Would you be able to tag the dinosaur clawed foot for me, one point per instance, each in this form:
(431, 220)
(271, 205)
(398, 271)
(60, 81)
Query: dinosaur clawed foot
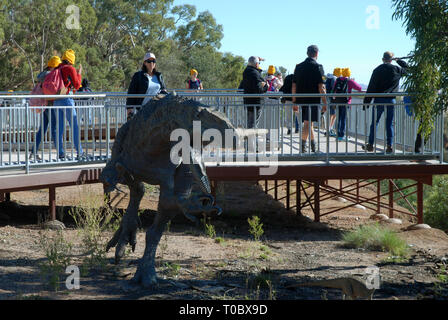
(126, 234)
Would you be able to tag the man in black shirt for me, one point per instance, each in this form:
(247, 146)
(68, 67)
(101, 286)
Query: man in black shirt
(385, 79)
(253, 83)
(309, 78)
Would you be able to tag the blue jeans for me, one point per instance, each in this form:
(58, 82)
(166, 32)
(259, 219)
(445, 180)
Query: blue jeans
(342, 120)
(69, 113)
(389, 119)
(39, 134)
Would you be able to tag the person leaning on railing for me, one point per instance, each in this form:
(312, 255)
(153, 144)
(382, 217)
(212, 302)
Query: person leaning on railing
(53, 63)
(146, 81)
(72, 81)
(385, 79)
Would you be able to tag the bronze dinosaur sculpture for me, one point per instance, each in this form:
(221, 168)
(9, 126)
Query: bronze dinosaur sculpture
(142, 153)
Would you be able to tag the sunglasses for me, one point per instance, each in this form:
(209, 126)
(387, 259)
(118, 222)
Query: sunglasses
(150, 61)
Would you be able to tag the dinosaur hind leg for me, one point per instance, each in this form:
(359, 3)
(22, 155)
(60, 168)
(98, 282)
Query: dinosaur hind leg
(167, 209)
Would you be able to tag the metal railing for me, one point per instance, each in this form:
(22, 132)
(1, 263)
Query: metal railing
(84, 133)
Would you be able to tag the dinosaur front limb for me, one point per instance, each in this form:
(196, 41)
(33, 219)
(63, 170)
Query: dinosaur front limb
(127, 233)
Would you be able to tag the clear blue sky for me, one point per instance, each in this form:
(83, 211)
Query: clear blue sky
(346, 32)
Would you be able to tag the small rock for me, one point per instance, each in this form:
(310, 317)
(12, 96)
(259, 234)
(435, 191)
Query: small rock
(360, 207)
(54, 225)
(379, 216)
(418, 226)
(394, 221)
(340, 199)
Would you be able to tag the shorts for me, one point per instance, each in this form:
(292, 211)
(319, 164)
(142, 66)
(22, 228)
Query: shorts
(314, 113)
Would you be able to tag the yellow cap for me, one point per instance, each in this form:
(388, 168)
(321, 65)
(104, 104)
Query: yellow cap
(271, 70)
(193, 71)
(337, 72)
(346, 72)
(54, 62)
(69, 55)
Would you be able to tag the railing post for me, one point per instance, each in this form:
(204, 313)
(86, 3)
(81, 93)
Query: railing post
(391, 199)
(27, 162)
(419, 202)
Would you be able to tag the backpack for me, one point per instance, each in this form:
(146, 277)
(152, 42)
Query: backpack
(37, 102)
(271, 84)
(329, 84)
(194, 84)
(341, 86)
(53, 83)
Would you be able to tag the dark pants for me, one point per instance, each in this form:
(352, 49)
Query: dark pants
(389, 119)
(47, 113)
(342, 120)
(253, 116)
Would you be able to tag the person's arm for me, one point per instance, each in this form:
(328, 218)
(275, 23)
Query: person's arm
(404, 66)
(132, 90)
(354, 85)
(293, 91)
(163, 89)
(371, 87)
(323, 90)
(75, 77)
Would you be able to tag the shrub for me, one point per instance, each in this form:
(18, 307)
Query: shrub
(57, 252)
(255, 227)
(375, 237)
(93, 219)
(436, 204)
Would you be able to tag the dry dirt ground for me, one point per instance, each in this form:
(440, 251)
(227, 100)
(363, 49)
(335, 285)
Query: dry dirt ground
(192, 265)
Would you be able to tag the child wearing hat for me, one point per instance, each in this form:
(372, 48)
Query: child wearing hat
(273, 82)
(194, 83)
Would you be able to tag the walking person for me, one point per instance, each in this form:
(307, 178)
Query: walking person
(146, 81)
(385, 79)
(344, 84)
(309, 78)
(53, 63)
(72, 82)
(329, 84)
(253, 83)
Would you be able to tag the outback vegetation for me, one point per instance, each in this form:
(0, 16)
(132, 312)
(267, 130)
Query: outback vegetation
(110, 40)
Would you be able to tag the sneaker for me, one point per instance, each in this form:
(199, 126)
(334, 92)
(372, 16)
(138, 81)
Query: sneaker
(296, 131)
(84, 157)
(389, 149)
(332, 133)
(34, 156)
(289, 131)
(368, 147)
(341, 139)
(313, 148)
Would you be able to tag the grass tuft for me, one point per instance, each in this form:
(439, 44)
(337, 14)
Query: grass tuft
(377, 238)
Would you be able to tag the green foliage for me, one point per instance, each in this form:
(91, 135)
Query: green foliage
(93, 220)
(255, 227)
(427, 22)
(436, 204)
(209, 229)
(111, 41)
(375, 237)
(58, 256)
